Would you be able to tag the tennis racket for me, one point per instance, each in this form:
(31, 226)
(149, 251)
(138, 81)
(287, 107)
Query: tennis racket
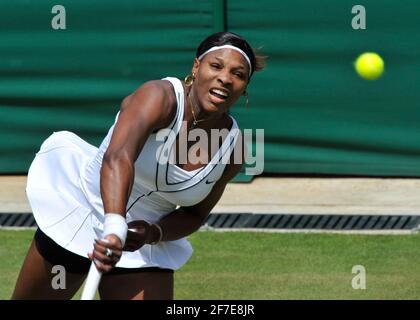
(92, 282)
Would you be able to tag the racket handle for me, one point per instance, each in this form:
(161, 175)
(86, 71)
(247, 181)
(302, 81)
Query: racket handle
(92, 283)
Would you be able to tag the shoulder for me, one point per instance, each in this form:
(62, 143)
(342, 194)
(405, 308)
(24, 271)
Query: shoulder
(157, 97)
(160, 90)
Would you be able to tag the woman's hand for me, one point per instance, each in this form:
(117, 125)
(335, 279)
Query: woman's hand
(137, 235)
(106, 253)
(140, 233)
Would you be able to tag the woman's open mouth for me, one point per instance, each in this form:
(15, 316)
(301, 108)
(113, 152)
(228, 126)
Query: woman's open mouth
(218, 95)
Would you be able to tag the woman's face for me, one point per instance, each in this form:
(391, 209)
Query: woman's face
(221, 79)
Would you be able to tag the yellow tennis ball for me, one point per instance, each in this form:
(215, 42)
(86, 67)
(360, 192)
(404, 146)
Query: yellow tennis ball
(369, 66)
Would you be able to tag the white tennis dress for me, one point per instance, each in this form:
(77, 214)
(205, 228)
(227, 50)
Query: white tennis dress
(63, 189)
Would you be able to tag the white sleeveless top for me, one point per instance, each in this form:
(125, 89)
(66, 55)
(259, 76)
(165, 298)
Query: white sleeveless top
(159, 188)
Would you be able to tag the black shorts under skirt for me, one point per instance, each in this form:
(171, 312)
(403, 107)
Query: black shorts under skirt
(73, 263)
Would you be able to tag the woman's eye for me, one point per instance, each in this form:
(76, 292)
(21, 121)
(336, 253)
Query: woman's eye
(215, 65)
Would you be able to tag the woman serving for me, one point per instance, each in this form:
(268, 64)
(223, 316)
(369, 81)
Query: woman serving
(145, 189)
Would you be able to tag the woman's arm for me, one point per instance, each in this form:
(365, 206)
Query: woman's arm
(186, 220)
(151, 107)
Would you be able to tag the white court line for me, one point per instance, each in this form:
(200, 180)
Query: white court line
(267, 230)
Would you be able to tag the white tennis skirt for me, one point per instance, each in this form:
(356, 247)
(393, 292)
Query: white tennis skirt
(63, 213)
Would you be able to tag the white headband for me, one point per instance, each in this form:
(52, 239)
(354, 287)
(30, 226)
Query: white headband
(228, 46)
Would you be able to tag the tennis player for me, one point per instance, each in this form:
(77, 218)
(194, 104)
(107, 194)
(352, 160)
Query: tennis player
(125, 205)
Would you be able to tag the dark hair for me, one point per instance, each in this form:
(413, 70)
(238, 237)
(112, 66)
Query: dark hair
(233, 39)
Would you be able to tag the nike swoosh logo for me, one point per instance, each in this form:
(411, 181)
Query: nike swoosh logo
(209, 182)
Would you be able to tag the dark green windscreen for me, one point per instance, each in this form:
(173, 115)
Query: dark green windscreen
(319, 117)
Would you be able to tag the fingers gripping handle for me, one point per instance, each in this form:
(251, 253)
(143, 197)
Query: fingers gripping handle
(114, 224)
(92, 281)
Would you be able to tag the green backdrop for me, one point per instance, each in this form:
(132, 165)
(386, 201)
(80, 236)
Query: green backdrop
(319, 116)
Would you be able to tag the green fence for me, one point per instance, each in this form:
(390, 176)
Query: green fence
(319, 116)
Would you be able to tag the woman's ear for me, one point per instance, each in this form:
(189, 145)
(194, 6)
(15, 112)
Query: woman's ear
(195, 67)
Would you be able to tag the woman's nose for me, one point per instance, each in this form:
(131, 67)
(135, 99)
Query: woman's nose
(225, 77)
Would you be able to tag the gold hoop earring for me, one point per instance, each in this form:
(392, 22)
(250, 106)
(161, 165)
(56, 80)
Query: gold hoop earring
(247, 98)
(189, 79)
